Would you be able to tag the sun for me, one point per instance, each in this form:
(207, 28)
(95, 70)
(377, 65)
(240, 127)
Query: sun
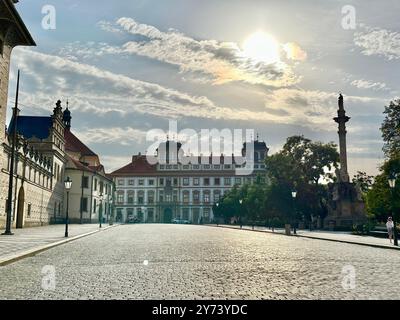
(262, 47)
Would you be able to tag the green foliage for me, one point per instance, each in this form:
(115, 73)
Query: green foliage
(299, 166)
(364, 181)
(391, 129)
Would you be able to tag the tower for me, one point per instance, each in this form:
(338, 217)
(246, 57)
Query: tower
(67, 118)
(341, 120)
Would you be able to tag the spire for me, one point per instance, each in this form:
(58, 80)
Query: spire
(67, 117)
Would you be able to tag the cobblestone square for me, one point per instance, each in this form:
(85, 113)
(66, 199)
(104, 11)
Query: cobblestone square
(198, 262)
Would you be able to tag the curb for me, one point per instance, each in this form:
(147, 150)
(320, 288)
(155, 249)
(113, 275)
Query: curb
(316, 238)
(34, 251)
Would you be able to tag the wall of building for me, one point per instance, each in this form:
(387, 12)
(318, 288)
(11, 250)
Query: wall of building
(99, 202)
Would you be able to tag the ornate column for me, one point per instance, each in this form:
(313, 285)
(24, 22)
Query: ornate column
(342, 119)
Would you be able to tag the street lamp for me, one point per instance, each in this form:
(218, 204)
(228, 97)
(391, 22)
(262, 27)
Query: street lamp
(294, 195)
(240, 213)
(392, 185)
(217, 205)
(101, 210)
(68, 185)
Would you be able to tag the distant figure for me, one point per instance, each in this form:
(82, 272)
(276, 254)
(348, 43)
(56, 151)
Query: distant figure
(390, 227)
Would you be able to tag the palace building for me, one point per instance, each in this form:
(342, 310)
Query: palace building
(91, 195)
(171, 190)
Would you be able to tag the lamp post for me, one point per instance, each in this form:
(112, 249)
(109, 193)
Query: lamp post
(101, 210)
(240, 213)
(217, 205)
(68, 185)
(294, 195)
(392, 185)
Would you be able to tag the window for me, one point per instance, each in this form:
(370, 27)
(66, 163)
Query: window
(217, 195)
(175, 196)
(95, 184)
(196, 196)
(207, 166)
(227, 166)
(141, 182)
(85, 182)
(120, 182)
(131, 182)
(185, 181)
(84, 204)
(217, 181)
(238, 180)
(206, 213)
(186, 167)
(175, 167)
(206, 181)
(131, 197)
(227, 181)
(175, 181)
(196, 167)
(217, 167)
(95, 205)
(29, 209)
(186, 196)
(162, 167)
(120, 197)
(141, 197)
(101, 186)
(161, 196)
(168, 198)
(151, 182)
(196, 181)
(150, 197)
(161, 181)
(206, 196)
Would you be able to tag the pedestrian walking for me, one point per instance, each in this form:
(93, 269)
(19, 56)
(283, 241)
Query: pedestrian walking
(390, 227)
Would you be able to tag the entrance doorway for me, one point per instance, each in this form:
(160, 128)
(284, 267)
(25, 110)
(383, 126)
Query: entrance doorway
(167, 215)
(20, 208)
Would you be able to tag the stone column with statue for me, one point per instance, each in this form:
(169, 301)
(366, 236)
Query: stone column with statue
(345, 205)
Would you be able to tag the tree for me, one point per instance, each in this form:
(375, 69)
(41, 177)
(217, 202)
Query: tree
(391, 129)
(364, 181)
(315, 159)
(301, 165)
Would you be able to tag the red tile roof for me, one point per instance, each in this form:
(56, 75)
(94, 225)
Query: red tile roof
(73, 144)
(138, 166)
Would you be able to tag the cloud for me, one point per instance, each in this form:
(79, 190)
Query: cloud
(377, 41)
(219, 62)
(101, 94)
(294, 52)
(367, 84)
(111, 135)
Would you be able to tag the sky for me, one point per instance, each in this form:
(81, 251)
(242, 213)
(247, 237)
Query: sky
(273, 66)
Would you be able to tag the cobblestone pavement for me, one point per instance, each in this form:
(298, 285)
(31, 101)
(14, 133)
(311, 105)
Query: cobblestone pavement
(200, 262)
(31, 238)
